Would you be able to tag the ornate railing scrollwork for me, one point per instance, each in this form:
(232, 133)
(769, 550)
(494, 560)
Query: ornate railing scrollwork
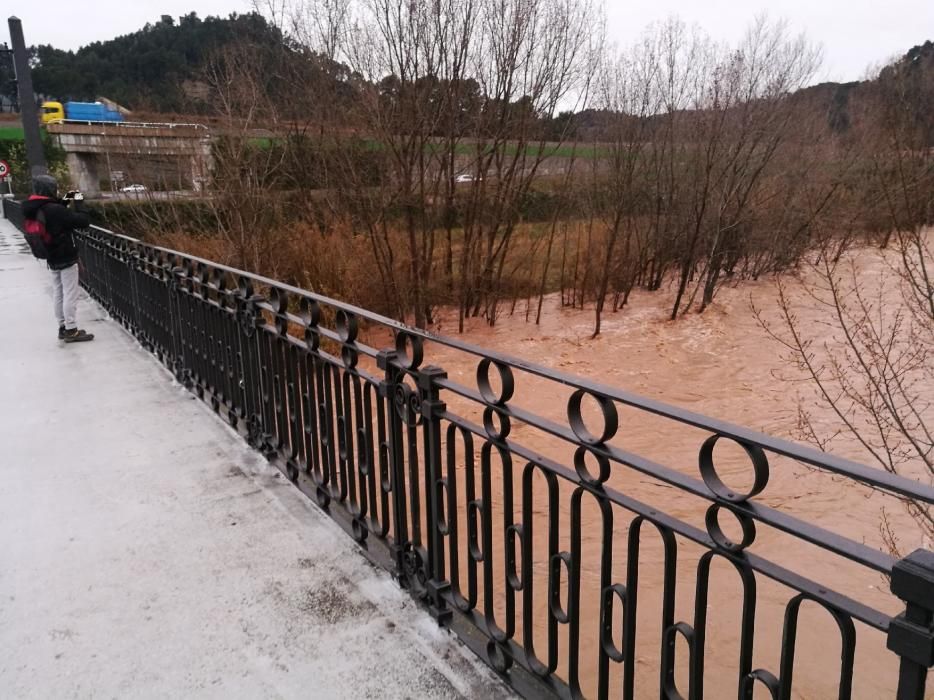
(521, 529)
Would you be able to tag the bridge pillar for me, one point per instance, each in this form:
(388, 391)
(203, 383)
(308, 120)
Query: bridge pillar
(198, 175)
(201, 166)
(82, 169)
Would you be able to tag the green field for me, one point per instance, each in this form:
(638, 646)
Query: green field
(10, 132)
(466, 148)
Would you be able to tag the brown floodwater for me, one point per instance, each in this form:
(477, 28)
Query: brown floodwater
(722, 364)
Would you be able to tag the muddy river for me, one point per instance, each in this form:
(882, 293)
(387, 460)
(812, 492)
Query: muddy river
(722, 364)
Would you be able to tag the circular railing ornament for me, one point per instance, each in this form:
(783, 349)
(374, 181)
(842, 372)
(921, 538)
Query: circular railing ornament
(716, 533)
(760, 465)
(410, 350)
(279, 300)
(496, 423)
(310, 313)
(585, 473)
(506, 381)
(346, 325)
(579, 426)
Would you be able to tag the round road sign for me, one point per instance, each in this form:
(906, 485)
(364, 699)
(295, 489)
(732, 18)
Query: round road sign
(4, 169)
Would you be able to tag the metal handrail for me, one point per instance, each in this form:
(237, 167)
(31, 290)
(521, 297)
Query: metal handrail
(378, 449)
(892, 483)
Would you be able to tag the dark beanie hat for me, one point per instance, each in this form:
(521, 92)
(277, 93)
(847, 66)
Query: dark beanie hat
(45, 186)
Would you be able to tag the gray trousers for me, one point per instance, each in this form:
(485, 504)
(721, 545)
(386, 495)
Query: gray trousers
(65, 287)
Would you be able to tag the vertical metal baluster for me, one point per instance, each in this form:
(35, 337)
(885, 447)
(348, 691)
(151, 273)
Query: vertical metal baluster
(629, 617)
(326, 416)
(267, 388)
(789, 639)
(368, 454)
(250, 363)
(574, 585)
(414, 483)
(202, 335)
(312, 441)
(667, 671)
(231, 392)
(178, 322)
(363, 434)
(452, 508)
(217, 352)
(528, 599)
(185, 317)
(474, 511)
(486, 528)
(275, 394)
(280, 348)
(292, 403)
(133, 266)
(511, 532)
(222, 351)
(199, 323)
(400, 538)
(303, 393)
(322, 383)
(747, 624)
(384, 458)
(605, 616)
(347, 438)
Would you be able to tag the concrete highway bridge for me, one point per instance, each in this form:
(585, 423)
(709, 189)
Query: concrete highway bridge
(176, 154)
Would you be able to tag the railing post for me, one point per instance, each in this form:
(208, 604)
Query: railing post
(432, 408)
(386, 361)
(911, 634)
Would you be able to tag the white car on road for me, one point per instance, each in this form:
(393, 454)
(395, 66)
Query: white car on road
(134, 188)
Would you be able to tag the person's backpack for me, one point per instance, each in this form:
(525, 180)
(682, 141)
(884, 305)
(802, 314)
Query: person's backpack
(37, 236)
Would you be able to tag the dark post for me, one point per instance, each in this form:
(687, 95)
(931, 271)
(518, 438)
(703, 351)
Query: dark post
(432, 408)
(911, 634)
(27, 100)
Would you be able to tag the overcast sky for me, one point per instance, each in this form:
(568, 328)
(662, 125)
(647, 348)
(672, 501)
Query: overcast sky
(853, 33)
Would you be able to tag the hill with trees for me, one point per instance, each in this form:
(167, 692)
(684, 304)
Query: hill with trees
(159, 68)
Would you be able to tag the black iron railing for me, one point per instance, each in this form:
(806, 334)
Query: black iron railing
(13, 212)
(530, 533)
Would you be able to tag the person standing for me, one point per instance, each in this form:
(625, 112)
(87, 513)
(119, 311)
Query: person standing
(60, 222)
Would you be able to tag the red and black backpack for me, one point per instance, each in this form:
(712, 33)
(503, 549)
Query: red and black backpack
(37, 236)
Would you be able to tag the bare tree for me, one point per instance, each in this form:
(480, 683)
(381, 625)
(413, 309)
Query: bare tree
(875, 366)
(451, 101)
(246, 168)
(744, 116)
(626, 93)
(530, 58)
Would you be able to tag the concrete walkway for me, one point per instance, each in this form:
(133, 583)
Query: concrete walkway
(145, 551)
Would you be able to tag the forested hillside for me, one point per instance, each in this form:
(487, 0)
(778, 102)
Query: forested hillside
(158, 68)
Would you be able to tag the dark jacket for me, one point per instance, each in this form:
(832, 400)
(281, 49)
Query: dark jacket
(60, 223)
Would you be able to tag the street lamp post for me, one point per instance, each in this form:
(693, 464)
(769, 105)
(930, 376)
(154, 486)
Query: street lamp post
(27, 100)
